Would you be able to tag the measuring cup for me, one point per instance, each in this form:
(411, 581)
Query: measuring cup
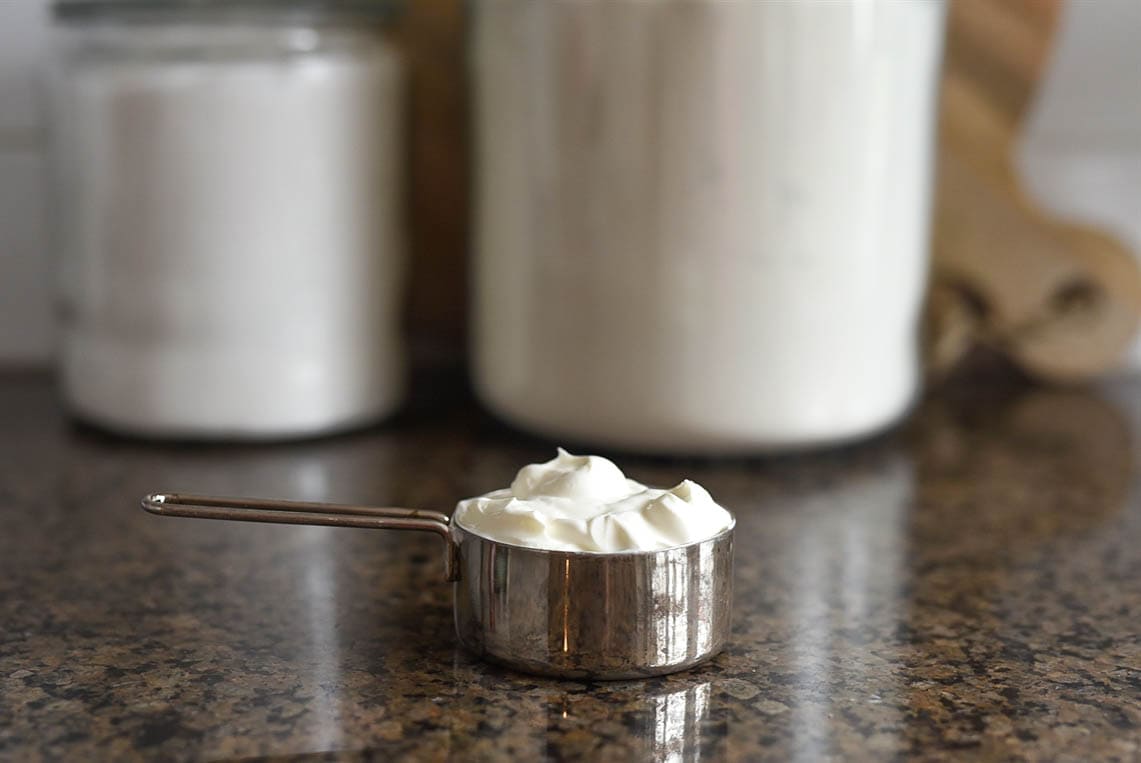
(566, 614)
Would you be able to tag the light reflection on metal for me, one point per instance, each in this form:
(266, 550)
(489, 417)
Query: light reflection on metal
(566, 606)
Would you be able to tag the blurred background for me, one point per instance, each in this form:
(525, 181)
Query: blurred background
(680, 228)
(483, 125)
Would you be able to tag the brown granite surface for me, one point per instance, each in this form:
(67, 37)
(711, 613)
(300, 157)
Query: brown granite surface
(967, 587)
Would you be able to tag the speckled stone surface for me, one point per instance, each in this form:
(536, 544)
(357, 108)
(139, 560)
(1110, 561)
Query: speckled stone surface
(966, 587)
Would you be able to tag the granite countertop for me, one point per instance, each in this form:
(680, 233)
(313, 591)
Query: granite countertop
(967, 586)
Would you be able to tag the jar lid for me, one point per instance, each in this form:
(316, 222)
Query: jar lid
(229, 10)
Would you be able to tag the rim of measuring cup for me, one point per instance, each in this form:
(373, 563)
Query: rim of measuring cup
(728, 530)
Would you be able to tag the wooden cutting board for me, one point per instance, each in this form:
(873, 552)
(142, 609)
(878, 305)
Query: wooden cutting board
(1061, 300)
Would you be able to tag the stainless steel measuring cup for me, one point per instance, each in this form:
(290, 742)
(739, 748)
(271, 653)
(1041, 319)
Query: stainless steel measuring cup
(556, 613)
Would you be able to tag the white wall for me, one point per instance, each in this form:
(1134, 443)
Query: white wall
(25, 314)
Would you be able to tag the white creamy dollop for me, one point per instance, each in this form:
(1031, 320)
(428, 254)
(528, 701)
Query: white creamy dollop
(586, 503)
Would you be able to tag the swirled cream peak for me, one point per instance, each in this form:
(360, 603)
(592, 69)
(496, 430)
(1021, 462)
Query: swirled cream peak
(586, 503)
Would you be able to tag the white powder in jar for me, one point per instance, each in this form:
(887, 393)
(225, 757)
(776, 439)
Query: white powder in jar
(232, 239)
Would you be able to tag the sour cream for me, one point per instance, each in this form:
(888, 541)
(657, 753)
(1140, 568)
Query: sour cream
(586, 503)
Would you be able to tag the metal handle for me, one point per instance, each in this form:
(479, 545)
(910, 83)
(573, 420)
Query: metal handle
(307, 513)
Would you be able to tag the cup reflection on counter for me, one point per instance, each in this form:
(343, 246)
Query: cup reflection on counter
(635, 721)
(677, 722)
(661, 726)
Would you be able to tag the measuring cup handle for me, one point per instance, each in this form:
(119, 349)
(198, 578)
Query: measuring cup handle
(308, 513)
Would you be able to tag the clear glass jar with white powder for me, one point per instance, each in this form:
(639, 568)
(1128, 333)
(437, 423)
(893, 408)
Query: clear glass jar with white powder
(702, 225)
(230, 222)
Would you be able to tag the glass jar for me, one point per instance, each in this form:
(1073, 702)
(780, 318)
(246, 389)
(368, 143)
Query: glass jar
(702, 226)
(230, 218)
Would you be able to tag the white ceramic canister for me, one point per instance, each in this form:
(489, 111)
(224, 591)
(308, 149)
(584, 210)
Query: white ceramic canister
(230, 215)
(702, 225)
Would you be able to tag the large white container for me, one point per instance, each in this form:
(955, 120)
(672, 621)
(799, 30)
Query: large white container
(702, 225)
(230, 216)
